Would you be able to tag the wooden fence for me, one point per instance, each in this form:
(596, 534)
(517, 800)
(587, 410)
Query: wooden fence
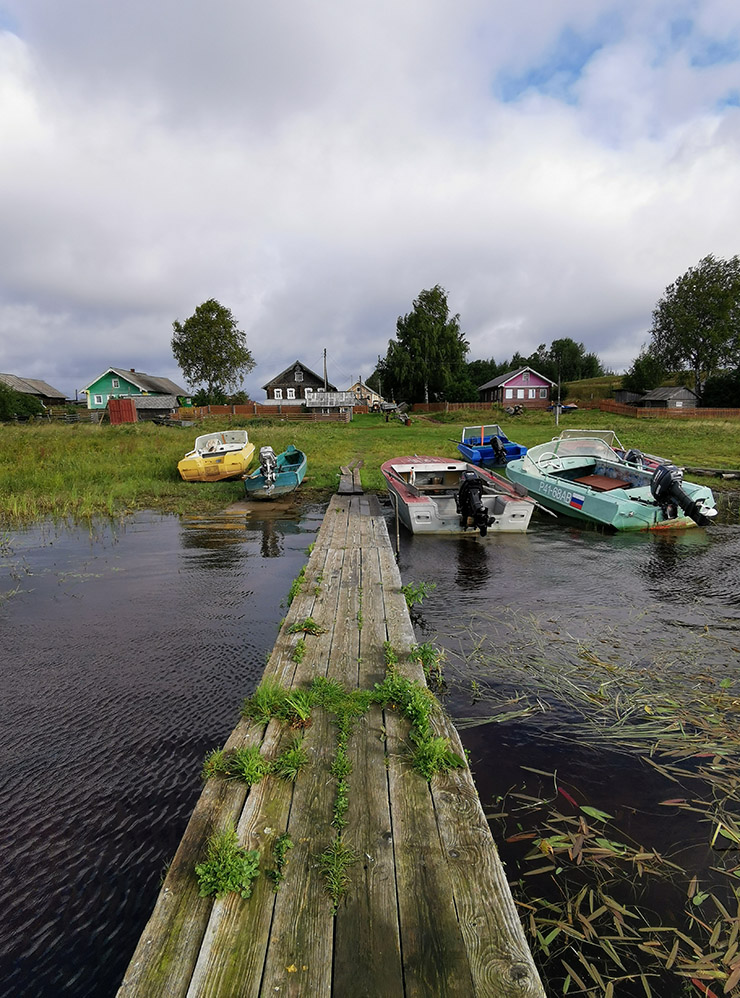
(607, 405)
(257, 410)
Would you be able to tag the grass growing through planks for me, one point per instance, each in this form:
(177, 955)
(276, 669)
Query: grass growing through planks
(280, 848)
(250, 766)
(227, 868)
(431, 754)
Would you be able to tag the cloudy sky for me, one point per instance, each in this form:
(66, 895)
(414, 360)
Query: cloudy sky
(315, 165)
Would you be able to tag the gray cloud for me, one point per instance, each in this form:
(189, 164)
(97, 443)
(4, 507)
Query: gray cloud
(314, 167)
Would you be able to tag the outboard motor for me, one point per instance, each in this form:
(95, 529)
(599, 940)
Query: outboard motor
(499, 451)
(470, 503)
(665, 486)
(268, 467)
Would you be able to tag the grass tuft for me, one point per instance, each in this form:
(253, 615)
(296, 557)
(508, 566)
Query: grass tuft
(228, 868)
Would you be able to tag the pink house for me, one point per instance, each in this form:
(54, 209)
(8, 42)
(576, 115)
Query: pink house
(523, 387)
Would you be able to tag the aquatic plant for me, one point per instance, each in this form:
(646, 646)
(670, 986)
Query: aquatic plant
(416, 592)
(430, 657)
(228, 867)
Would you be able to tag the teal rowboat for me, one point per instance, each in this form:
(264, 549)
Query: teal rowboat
(582, 475)
(277, 473)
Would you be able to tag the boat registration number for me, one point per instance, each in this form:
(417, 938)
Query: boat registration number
(556, 492)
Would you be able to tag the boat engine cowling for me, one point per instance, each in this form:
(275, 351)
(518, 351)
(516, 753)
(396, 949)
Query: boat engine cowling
(665, 487)
(498, 450)
(470, 503)
(268, 466)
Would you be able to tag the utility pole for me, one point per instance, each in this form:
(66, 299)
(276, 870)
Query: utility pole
(326, 383)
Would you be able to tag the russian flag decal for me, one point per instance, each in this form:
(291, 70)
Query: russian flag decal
(576, 501)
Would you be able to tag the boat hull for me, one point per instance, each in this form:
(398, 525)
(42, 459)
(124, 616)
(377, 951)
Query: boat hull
(217, 456)
(424, 488)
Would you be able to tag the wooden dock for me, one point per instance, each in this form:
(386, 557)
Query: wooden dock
(428, 912)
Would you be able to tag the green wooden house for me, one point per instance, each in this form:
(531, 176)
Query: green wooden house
(118, 382)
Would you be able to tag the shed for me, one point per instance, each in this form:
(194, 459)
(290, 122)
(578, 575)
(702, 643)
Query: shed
(525, 387)
(41, 390)
(669, 398)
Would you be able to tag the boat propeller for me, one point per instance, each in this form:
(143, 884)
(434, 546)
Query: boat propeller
(469, 501)
(665, 486)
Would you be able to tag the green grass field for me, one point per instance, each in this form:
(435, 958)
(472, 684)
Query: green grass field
(81, 470)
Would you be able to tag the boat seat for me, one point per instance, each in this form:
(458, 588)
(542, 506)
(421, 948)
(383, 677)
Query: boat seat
(603, 483)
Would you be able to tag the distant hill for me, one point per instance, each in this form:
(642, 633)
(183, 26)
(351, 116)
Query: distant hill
(593, 388)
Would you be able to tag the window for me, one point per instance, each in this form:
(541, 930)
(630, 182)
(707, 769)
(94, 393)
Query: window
(114, 383)
(308, 392)
(98, 399)
(297, 375)
(509, 393)
(525, 377)
(679, 404)
(291, 393)
(532, 393)
(520, 393)
(543, 393)
(278, 393)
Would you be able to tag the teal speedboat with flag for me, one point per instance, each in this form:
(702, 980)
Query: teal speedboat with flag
(588, 475)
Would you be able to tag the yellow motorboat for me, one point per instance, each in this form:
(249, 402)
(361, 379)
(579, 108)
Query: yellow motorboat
(226, 454)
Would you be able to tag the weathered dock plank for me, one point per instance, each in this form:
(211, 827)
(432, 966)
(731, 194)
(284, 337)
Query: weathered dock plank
(428, 911)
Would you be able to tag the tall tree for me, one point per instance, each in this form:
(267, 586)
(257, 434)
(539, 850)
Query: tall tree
(428, 357)
(696, 323)
(211, 350)
(645, 373)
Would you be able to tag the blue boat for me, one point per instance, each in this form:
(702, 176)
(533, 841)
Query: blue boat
(488, 446)
(277, 474)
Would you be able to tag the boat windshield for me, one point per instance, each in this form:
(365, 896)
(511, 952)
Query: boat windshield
(608, 436)
(577, 447)
(477, 434)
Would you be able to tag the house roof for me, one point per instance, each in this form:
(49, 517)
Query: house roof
(286, 376)
(663, 394)
(155, 401)
(31, 386)
(145, 382)
(502, 379)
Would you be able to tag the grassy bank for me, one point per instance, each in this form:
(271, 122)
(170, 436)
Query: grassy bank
(81, 470)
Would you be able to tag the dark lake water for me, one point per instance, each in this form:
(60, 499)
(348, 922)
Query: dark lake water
(128, 648)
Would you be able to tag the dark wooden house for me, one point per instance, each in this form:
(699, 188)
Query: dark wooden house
(295, 384)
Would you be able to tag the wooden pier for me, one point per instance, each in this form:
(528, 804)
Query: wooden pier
(428, 912)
